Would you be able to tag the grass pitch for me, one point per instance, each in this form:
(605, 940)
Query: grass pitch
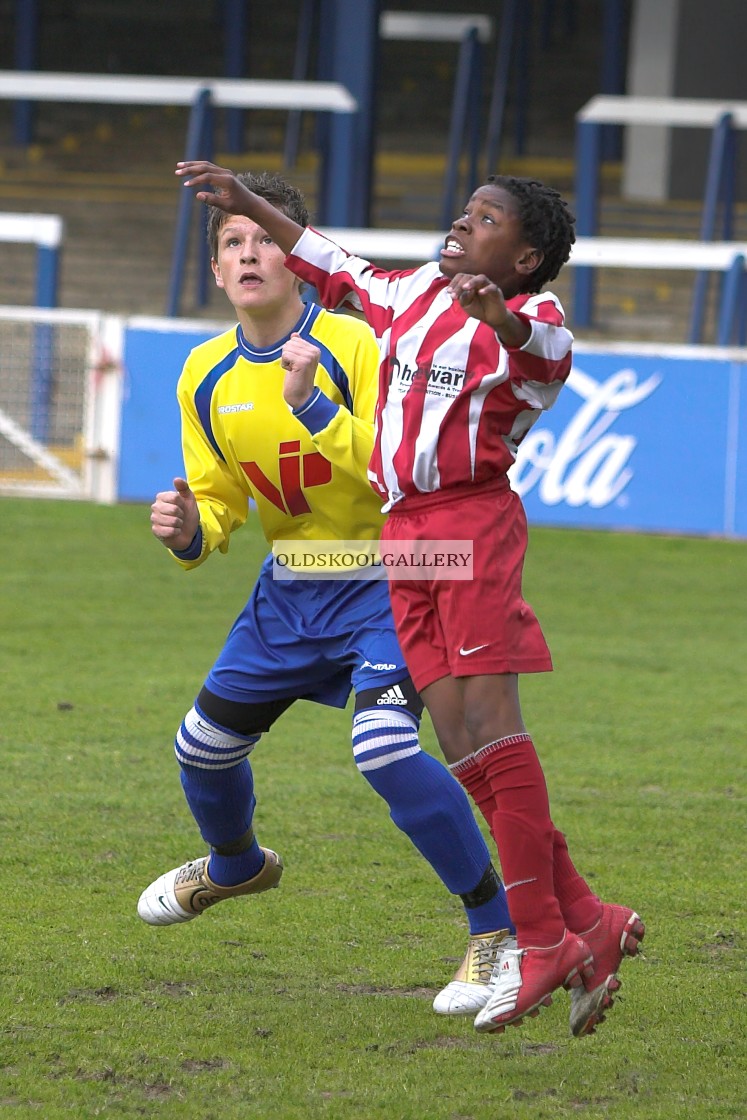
(313, 1002)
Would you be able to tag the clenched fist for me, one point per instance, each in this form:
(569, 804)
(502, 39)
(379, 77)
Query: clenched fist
(174, 517)
(300, 359)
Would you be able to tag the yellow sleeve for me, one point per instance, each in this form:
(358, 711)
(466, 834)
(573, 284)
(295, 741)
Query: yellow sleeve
(222, 501)
(343, 437)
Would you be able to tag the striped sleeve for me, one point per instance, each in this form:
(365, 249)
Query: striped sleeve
(546, 356)
(343, 280)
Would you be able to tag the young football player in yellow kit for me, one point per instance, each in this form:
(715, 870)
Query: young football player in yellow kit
(279, 410)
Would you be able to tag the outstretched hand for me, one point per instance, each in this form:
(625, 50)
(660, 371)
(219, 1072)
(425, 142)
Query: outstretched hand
(174, 517)
(228, 192)
(231, 195)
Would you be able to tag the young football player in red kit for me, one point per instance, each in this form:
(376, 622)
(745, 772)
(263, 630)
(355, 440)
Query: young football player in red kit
(472, 350)
(304, 470)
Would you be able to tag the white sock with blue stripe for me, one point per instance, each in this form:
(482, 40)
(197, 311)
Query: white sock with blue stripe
(219, 787)
(427, 804)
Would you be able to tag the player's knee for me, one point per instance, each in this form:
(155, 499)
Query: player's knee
(455, 742)
(202, 743)
(382, 737)
(492, 709)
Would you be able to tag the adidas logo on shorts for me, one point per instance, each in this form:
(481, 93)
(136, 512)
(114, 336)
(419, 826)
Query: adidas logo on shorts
(393, 695)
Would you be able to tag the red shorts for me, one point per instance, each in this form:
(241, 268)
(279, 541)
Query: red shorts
(465, 628)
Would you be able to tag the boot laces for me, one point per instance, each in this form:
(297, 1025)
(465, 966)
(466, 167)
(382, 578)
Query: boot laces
(190, 873)
(486, 954)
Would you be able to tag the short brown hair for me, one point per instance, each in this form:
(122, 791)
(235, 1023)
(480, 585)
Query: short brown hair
(278, 191)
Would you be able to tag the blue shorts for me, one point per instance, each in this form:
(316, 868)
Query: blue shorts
(309, 640)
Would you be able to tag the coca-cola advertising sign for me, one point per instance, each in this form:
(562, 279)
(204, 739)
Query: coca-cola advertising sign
(641, 442)
(649, 438)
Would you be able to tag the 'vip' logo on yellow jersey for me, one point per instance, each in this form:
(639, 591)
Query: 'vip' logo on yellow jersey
(296, 471)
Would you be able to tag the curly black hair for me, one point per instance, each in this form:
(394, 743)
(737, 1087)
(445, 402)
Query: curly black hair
(547, 223)
(282, 194)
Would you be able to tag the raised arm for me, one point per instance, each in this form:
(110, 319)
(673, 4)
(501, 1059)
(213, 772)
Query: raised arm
(229, 194)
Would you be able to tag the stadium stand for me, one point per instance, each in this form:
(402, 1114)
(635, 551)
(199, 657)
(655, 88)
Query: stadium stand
(108, 170)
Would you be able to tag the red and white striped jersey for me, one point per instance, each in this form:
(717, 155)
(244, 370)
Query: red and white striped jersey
(453, 402)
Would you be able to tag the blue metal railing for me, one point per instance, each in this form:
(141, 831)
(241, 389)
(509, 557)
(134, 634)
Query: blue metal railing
(465, 126)
(26, 50)
(500, 87)
(235, 39)
(199, 145)
(719, 188)
(719, 192)
(301, 70)
(731, 319)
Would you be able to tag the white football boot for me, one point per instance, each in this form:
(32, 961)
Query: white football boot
(469, 991)
(182, 894)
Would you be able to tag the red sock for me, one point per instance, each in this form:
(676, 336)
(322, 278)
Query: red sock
(506, 781)
(476, 784)
(579, 905)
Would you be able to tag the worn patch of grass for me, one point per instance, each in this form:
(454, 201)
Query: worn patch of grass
(313, 1001)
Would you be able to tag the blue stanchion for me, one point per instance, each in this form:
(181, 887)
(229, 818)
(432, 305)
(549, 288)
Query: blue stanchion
(719, 187)
(464, 123)
(612, 75)
(235, 38)
(199, 146)
(588, 147)
(353, 31)
(26, 50)
(731, 314)
(41, 387)
(522, 67)
(301, 64)
(501, 75)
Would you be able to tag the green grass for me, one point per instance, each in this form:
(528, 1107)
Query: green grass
(313, 1001)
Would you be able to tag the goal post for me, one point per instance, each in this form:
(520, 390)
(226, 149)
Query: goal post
(74, 453)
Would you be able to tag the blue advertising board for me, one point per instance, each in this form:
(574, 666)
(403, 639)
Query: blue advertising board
(645, 439)
(150, 448)
(642, 442)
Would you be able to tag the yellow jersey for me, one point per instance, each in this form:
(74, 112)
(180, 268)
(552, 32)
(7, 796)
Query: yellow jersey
(306, 471)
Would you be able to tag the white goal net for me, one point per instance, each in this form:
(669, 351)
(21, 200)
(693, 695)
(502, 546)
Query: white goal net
(58, 417)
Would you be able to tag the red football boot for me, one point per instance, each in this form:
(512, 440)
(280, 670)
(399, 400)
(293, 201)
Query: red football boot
(526, 978)
(617, 934)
